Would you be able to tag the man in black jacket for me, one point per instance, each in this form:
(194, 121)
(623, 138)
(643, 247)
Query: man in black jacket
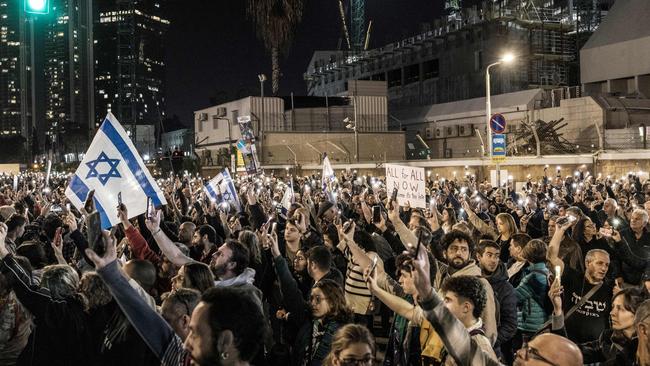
(487, 255)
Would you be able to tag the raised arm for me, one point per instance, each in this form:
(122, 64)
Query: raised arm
(405, 235)
(137, 242)
(479, 224)
(397, 304)
(169, 249)
(153, 329)
(554, 246)
(453, 333)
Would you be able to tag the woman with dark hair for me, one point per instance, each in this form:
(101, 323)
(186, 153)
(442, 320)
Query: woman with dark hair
(311, 325)
(194, 275)
(586, 235)
(449, 219)
(250, 240)
(505, 229)
(353, 345)
(616, 345)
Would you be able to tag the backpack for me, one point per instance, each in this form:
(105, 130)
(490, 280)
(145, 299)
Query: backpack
(545, 302)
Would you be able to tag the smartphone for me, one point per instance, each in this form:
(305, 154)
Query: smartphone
(89, 204)
(393, 196)
(558, 272)
(94, 233)
(376, 213)
(417, 247)
(119, 201)
(150, 209)
(273, 228)
(347, 226)
(606, 232)
(373, 265)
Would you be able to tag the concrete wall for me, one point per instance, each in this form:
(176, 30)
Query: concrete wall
(340, 147)
(615, 61)
(215, 131)
(581, 114)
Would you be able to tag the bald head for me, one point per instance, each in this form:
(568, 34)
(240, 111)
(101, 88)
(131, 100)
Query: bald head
(142, 271)
(558, 350)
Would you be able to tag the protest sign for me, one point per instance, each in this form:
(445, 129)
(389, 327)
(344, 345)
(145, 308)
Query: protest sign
(410, 183)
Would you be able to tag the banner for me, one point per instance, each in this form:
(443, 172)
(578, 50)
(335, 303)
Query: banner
(410, 183)
(247, 144)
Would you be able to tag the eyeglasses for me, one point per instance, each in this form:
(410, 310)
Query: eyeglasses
(315, 298)
(532, 353)
(366, 361)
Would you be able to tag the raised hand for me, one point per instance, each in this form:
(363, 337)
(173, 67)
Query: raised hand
(123, 215)
(555, 294)
(421, 274)
(109, 256)
(153, 223)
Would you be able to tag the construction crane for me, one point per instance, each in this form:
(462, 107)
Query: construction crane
(356, 35)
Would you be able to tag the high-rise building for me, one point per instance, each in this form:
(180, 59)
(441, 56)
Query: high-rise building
(67, 74)
(129, 66)
(10, 122)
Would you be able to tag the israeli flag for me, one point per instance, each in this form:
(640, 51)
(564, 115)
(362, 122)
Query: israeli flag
(288, 198)
(328, 178)
(221, 189)
(111, 166)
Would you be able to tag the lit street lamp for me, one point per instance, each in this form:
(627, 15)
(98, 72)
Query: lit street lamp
(352, 125)
(505, 59)
(262, 79)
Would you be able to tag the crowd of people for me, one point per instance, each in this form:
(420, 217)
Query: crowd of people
(555, 271)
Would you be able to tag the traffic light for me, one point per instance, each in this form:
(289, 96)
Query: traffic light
(37, 6)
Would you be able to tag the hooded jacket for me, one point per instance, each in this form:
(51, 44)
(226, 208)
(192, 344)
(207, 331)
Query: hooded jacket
(243, 281)
(505, 295)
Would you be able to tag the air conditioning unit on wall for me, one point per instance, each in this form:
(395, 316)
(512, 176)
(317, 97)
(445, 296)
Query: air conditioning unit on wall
(451, 131)
(440, 133)
(466, 130)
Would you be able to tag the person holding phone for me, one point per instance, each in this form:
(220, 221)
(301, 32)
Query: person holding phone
(588, 320)
(632, 246)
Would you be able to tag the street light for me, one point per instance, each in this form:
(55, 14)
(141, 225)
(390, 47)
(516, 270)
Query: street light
(262, 79)
(352, 125)
(505, 59)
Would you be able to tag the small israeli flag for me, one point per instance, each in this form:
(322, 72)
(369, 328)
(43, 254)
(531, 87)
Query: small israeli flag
(222, 189)
(288, 198)
(111, 166)
(328, 177)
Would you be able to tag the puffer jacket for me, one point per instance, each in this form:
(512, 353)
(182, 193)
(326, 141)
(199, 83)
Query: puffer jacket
(505, 295)
(531, 292)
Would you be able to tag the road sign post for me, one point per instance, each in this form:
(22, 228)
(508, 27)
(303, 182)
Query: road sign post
(498, 123)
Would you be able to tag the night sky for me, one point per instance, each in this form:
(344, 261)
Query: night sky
(212, 50)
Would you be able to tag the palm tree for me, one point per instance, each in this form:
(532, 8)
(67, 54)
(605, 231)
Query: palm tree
(275, 24)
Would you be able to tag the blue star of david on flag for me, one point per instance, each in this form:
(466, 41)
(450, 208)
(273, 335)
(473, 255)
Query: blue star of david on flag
(104, 177)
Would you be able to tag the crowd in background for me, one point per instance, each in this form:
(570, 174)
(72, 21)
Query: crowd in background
(554, 271)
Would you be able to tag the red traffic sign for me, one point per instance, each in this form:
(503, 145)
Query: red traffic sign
(498, 123)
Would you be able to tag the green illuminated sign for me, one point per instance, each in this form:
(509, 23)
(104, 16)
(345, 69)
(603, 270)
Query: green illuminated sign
(37, 6)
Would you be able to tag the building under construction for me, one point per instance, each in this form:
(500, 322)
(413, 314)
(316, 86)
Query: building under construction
(448, 62)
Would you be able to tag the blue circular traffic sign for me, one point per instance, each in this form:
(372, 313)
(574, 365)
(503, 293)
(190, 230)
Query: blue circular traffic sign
(497, 123)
